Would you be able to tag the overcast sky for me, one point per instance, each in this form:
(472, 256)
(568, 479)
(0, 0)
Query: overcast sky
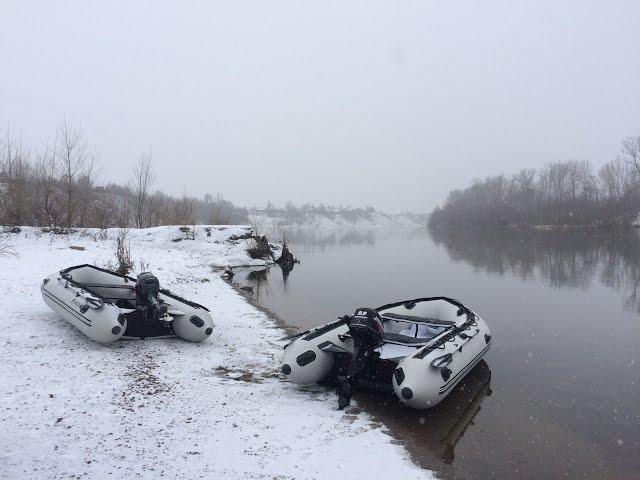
(389, 103)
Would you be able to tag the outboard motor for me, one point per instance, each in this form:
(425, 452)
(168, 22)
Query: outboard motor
(147, 290)
(366, 330)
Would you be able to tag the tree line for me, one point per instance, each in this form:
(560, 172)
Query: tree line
(561, 193)
(56, 186)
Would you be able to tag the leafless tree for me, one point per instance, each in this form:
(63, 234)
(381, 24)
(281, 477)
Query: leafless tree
(142, 181)
(15, 171)
(615, 177)
(184, 208)
(631, 152)
(75, 162)
(46, 192)
(157, 213)
(55, 187)
(566, 193)
(219, 210)
(256, 221)
(104, 210)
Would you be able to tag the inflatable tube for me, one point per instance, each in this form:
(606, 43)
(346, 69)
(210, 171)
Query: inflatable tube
(310, 358)
(424, 379)
(106, 306)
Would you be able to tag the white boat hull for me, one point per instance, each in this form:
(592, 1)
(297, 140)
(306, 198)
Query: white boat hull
(106, 320)
(423, 376)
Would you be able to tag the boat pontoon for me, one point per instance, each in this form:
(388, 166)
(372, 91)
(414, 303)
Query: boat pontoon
(420, 348)
(107, 306)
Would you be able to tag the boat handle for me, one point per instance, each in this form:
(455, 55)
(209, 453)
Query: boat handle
(94, 302)
(442, 361)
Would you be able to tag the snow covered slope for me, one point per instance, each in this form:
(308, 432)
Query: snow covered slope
(145, 409)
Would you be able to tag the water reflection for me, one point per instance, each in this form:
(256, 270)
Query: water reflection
(431, 436)
(323, 239)
(563, 259)
(254, 281)
(320, 239)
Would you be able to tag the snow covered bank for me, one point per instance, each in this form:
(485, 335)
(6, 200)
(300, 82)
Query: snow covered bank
(142, 409)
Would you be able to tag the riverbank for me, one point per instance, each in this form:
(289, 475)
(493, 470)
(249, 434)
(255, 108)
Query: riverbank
(153, 408)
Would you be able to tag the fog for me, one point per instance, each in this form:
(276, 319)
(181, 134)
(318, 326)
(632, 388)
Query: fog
(384, 103)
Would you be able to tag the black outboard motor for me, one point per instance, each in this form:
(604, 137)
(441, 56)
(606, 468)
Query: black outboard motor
(147, 290)
(365, 327)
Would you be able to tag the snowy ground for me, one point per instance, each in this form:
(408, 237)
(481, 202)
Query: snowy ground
(72, 408)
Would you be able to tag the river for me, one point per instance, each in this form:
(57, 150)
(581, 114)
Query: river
(557, 396)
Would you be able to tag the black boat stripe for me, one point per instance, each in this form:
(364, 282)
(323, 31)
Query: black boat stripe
(61, 303)
(57, 300)
(464, 371)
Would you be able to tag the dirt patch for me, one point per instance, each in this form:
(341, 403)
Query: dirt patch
(143, 383)
(241, 375)
(237, 375)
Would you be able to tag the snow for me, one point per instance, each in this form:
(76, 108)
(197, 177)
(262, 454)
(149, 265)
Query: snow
(143, 409)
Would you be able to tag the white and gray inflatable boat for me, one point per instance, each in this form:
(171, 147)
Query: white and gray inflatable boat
(107, 306)
(420, 348)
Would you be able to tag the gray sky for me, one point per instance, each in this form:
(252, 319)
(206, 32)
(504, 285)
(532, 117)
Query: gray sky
(390, 103)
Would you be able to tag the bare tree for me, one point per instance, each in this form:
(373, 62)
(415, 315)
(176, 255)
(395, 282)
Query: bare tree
(46, 195)
(75, 162)
(566, 193)
(157, 209)
(142, 181)
(219, 210)
(256, 221)
(631, 152)
(184, 209)
(104, 209)
(14, 174)
(615, 176)
(55, 187)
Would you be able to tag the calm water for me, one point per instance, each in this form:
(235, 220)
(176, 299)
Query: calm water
(558, 395)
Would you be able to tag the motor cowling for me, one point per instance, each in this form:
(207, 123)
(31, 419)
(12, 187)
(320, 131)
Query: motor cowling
(147, 290)
(365, 327)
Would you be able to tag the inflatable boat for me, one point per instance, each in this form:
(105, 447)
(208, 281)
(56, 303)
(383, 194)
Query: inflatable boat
(420, 348)
(107, 306)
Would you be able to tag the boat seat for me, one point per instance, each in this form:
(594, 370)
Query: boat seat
(404, 339)
(413, 318)
(106, 285)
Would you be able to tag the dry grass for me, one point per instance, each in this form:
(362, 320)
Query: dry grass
(123, 252)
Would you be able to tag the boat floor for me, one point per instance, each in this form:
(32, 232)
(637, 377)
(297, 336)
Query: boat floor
(390, 351)
(398, 338)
